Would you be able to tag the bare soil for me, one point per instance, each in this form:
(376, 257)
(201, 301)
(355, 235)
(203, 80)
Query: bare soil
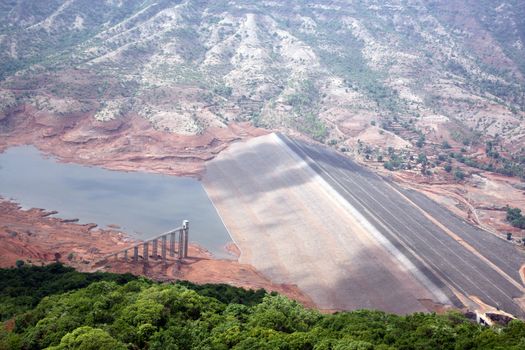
(127, 144)
(35, 237)
(480, 199)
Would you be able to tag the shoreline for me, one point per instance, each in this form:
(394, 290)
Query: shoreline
(129, 143)
(37, 238)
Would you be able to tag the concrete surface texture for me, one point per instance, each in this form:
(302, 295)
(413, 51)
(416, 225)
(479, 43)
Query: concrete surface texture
(307, 215)
(467, 261)
(289, 226)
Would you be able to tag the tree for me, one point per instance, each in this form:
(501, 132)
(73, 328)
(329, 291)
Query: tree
(148, 315)
(353, 345)
(448, 168)
(20, 264)
(422, 159)
(282, 314)
(515, 217)
(420, 141)
(513, 213)
(388, 165)
(459, 175)
(87, 338)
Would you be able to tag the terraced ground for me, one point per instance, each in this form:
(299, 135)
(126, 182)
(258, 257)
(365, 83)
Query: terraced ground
(304, 214)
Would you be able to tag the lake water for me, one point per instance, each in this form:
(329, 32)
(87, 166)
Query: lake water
(142, 204)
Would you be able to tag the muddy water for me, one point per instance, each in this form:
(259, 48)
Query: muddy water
(141, 204)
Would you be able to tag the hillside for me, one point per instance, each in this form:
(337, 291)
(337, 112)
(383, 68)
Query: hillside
(55, 307)
(449, 70)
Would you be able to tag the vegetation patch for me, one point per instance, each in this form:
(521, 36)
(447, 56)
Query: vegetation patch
(515, 217)
(305, 106)
(108, 311)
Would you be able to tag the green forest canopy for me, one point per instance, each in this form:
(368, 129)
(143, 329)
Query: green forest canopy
(55, 307)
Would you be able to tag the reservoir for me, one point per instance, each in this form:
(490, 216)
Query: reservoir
(142, 204)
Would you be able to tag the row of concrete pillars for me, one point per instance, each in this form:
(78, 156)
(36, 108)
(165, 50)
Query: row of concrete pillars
(178, 245)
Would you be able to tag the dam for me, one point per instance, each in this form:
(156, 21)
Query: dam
(304, 214)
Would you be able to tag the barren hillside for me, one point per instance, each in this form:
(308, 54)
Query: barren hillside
(327, 69)
(433, 89)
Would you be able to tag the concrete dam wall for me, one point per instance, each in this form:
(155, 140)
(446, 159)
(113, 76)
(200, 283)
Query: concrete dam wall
(304, 214)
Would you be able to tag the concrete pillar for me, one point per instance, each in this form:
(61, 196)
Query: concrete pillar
(155, 252)
(186, 229)
(181, 243)
(185, 247)
(135, 253)
(163, 249)
(172, 243)
(145, 251)
(126, 256)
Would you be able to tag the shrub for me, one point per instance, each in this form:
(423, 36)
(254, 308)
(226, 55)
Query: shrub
(459, 175)
(515, 217)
